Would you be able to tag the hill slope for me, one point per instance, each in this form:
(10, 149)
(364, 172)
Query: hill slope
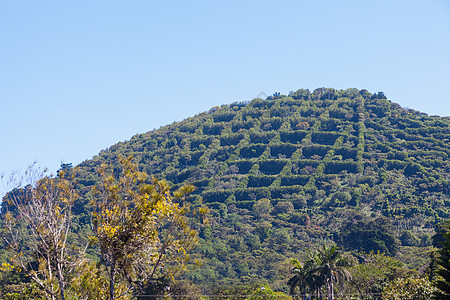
(290, 172)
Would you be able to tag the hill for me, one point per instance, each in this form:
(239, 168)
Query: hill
(287, 173)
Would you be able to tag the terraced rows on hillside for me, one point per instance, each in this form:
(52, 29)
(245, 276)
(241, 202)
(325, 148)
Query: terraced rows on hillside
(321, 158)
(286, 146)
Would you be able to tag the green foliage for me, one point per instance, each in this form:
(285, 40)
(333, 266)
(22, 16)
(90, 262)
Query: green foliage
(324, 268)
(266, 293)
(369, 235)
(312, 149)
(408, 239)
(374, 270)
(92, 283)
(22, 291)
(409, 289)
(439, 239)
(262, 208)
(443, 284)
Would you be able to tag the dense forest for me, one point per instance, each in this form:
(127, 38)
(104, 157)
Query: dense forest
(279, 178)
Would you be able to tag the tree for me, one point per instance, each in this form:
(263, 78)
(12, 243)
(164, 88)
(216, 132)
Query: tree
(299, 279)
(304, 278)
(262, 208)
(409, 289)
(332, 267)
(266, 293)
(441, 229)
(141, 230)
(368, 276)
(325, 267)
(37, 225)
(443, 284)
(369, 235)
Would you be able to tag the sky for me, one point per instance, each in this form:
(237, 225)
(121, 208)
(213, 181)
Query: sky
(79, 76)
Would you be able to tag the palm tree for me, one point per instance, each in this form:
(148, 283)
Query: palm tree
(305, 278)
(300, 278)
(325, 267)
(332, 267)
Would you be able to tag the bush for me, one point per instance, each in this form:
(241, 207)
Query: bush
(266, 293)
(408, 239)
(369, 235)
(409, 289)
(293, 137)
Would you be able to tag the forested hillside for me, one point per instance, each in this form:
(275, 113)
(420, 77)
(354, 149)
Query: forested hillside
(285, 173)
(288, 173)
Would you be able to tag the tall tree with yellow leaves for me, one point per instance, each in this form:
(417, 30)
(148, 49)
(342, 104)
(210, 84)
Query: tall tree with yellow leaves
(140, 227)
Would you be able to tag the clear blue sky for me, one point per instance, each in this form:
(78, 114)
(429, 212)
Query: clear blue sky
(79, 76)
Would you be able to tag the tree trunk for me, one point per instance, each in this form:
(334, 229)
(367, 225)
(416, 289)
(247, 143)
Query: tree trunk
(61, 285)
(61, 282)
(112, 279)
(330, 289)
(61, 291)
